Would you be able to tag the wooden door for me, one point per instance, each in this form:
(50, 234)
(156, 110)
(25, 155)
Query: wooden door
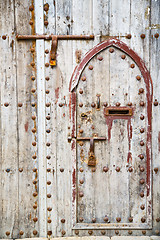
(97, 104)
(111, 116)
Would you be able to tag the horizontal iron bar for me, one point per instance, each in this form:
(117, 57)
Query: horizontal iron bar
(89, 138)
(59, 37)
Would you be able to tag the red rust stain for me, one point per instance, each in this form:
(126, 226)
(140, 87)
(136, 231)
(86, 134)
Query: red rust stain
(26, 126)
(159, 141)
(73, 106)
(70, 97)
(129, 129)
(57, 93)
(74, 185)
(64, 114)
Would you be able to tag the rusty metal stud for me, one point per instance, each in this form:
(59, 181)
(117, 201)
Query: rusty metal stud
(81, 194)
(31, 22)
(143, 232)
(158, 219)
(48, 169)
(63, 232)
(35, 194)
(81, 219)
(132, 65)
(35, 232)
(105, 169)
(80, 91)
(33, 130)
(105, 219)
(118, 104)
(48, 157)
(48, 195)
(156, 35)
(129, 104)
(35, 206)
(47, 78)
(130, 169)
(48, 182)
(32, 64)
(100, 58)
(32, 50)
(76, 232)
(45, 23)
(48, 144)
(141, 156)
(123, 56)
(31, 8)
(93, 169)
(93, 105)
(141, 143)
(46, 7)
(63, 220)
(20, 169)
(49, 233)
(81, 131)
(141, 90)
(20, 104)
(33, 78)
(48, 104)
(21, 232)
(142, 117)
(33, 104)
(130, 232)
(138, 77)
(105, 104)
(118, 219)
(141, 194)
(80, 104)
(33, 117)
(117, 169)
(90, 232)
(83, 78)
(49, 220)
(142, 130)
(143, 219)
(46, 51)
(90, 67)
(46, 64)
(81, 144)
(4, 37)
(103, 232)
(35, 219)
(128, 36)
(116, 232)
(48, 117)
(34, 144)
(6, 104)
(33, 90)
(141, 103)
(111, 50)
(34, 169)
(142, 181)
(7, 233)
(93, 220)
(61, 169)
(155, 102)
(143, 35)
(48, 131)
(156, 169)
(157, 232)
(7, 170)
(81, 181)
(142, 169)
(130, 219)
(35, 181)
(142, 207)
(60, 104)
(49, 209)
(81, 169)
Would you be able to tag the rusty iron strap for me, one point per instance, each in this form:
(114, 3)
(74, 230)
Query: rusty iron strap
(59, 37)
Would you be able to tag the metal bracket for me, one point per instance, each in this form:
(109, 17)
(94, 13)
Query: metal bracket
(53, 51)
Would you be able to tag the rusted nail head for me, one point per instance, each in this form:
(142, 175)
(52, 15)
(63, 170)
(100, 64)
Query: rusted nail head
(129, 36)
(105, 104)
(93, 105)
(118, 104)
(34, 144)
(61, 169)
(35, 194)
(123, 56)
(142, 194)
(31, 8)
(48, 157)
(90, 67)
(81, 219)
(158, 219)
(76, 232)
(118, 219)
(63, 220)
(143, 219)
(49, 182)
(33, 78)
(46, 64)
(142, 130)
(105, 169)
(33, 90)
(100, 58)
(45, 23)
(138, 77)
(142, 169)
(63, 232)
(49, 220)
(81, 181)
(34, 169)
(20, 169)
(35, 232)
(142, 117)
(31, 22)
(81, 170)
(155, 102)
(49, 233)
(49, 209)
(81, 194)
(117, 169)
(141, 156)
(156, 35)
(6, 104)
(47, 91)
(80, 91)
(130, 169)
(130, 232)
(141, 143)
(7, 233)
(111, 50)
(35, 181)
(35, 206)
(47, 78)
(20, 104)
(93, 220)
(35, 219)
(46, 7)
(142, 207)
(116, 232)
(141, 90)
(130, 219)
(83, 78)
(132, 65)
(4, 37)
(21, 232)
(129, 104)
(141, 103)
(142, 181)
(46, 51)
(80, 104)
(48, 195)
(7, 170)
(143, 35)
(90, 232)
(105, 219)
(143, 232)
(103, 232)
(156, 169)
